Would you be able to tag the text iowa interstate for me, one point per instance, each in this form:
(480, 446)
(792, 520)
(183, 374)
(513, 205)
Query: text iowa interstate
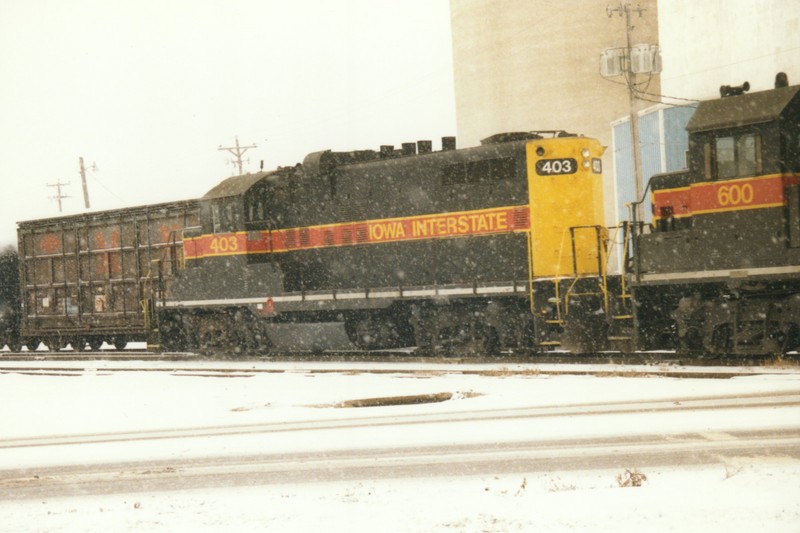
(441, 225)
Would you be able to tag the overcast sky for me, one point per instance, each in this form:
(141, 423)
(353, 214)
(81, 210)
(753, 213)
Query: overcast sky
(150, 89)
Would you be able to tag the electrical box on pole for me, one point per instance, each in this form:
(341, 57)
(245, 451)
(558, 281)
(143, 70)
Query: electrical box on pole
(645, 59)
(611, 62)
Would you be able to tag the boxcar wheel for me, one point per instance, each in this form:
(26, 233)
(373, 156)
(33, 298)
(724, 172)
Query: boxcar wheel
(33, 344)
(15, 346)
(55, 344)
(78, 344)
(119, 343)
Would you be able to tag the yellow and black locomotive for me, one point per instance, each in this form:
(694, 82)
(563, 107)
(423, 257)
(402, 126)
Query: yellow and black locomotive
(389, 248)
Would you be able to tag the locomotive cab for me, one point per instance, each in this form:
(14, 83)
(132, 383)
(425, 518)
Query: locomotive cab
(743, 160)
(223, 207)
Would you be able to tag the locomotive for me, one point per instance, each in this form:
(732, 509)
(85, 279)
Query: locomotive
(499, 247)
(718, 271)
(379, 249)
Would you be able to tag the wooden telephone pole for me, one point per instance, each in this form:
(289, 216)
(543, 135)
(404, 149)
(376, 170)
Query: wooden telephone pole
(83, 182)
(59, 194)
(237, 151)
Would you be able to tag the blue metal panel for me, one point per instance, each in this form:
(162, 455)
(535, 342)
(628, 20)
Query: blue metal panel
(676, 138)
(650, 144)
(623, 162)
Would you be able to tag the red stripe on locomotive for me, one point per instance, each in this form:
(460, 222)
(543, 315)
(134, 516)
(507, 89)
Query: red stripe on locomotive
(443, 225)
(718, 197)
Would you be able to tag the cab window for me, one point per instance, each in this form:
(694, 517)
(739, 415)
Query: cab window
(225, 216)
(738, 156)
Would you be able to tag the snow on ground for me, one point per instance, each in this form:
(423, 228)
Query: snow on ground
(753, 497)
(753, 493)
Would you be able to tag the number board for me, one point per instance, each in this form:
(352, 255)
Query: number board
(549, 167)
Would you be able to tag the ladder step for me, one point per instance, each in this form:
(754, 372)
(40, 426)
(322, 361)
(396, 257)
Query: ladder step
(550, 343)
(620, 338)
(553, 321)
(623, 317)
(624, 296)
(554, 300)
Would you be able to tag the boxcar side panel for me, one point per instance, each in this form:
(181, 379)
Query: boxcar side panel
(85, 277)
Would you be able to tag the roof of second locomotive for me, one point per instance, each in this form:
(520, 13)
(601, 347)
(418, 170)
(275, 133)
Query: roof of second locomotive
(742, 110)
(235, 185)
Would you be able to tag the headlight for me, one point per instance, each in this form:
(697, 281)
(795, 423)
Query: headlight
(585, 152)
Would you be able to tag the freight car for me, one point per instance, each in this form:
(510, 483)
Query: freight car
(9, 298)
(718, 272)
(93, 278)
(470, 249)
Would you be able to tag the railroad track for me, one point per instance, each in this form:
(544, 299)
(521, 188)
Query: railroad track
(615, 358)
(195, 366)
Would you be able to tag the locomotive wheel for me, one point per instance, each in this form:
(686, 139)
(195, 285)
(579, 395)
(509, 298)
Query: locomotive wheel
(793, 339)
(213, 334)
(471, 340)
(691, 343)
(173, 335)
(722, 340)
(484, 341)
(373, 333)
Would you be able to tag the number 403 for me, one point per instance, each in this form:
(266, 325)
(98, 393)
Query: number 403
(224, 244)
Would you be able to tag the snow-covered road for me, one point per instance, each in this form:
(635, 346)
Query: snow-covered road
(164, 447)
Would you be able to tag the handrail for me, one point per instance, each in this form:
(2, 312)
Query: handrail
(602, 254)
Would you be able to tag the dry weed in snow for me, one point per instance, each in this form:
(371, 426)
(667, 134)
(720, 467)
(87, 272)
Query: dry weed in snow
(631, 478)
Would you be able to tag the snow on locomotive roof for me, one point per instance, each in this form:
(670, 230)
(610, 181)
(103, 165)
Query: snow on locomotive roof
(235, 185)
(742, 110)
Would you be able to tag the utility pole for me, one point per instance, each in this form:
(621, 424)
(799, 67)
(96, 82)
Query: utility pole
(629, 62)
(238, 152)
(83, 181)
(59, 195)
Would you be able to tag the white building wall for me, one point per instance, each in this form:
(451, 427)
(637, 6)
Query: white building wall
(708, 43)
